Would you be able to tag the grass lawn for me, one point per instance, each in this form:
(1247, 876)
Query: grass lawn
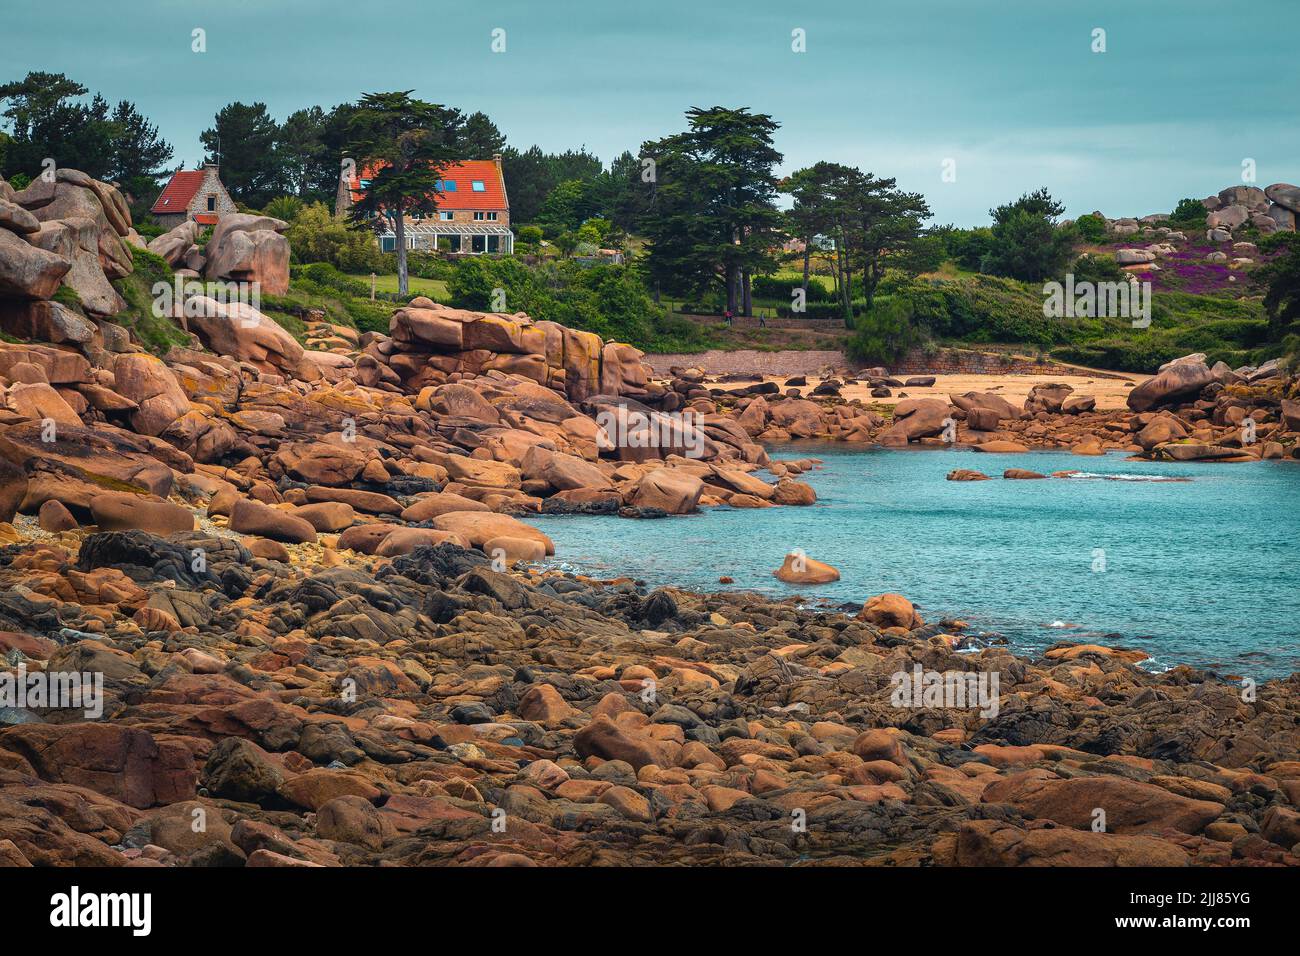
(435, 289)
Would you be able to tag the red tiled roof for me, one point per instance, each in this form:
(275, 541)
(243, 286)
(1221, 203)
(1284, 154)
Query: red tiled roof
(176, 196)
(206, 219)
(463, 174)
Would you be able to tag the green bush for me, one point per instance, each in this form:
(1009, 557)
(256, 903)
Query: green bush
(316, 236)
(781, 288)
(1097, 268)
(325, 277)
(287, 208)
(887, 332)
(1189, 210)
(1091, 228)
(610, 300)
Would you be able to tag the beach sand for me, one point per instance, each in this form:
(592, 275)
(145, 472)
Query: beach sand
(1109, 392)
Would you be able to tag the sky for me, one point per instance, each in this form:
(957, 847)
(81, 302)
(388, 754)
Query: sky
(1006, 95)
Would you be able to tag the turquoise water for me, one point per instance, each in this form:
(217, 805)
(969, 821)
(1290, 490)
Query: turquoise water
(1203, 572)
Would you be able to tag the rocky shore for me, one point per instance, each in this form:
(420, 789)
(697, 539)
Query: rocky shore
(299, 572)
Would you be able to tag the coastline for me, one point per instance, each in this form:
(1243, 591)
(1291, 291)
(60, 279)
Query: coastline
(299, 597)
(645, 551)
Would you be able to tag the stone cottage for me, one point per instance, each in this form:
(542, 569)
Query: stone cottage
(195, 194)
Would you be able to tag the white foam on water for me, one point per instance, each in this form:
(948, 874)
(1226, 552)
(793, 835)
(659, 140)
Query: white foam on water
(1105, 477)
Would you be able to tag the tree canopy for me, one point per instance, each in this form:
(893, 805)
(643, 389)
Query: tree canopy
(713, 218)
(400, 146)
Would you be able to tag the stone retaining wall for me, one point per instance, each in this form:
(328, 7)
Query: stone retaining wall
(808, 362)
(741, 361)
(965, 362)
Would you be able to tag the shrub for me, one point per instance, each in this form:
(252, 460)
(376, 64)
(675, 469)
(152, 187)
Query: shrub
(324, 276)
(316, 236)
(782, 288)
(1096, 268)
(887, 332)
(1189, 210)
(284, 207)
(1091, 228)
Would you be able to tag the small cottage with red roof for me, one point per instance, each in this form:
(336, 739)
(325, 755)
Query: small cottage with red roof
(193, 194)
(472, 214)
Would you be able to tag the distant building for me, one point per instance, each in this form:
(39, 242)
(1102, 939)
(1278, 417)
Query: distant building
(193, 194)
(472, 214)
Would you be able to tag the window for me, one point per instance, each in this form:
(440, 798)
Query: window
(476, 243)
(212, 204)
(445, 185)
(492, 217)
(446, 216)
(493, 243)
(477, 186)
(478, 217)
(387, 244)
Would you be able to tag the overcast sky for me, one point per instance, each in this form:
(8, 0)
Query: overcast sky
(1011, 90)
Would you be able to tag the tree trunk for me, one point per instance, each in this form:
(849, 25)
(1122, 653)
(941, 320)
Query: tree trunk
(731, 288)
(748, 299)
(807, 264)
(846, 290)
(399, 230)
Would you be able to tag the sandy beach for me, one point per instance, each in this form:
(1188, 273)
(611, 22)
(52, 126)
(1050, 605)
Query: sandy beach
(1109, 392)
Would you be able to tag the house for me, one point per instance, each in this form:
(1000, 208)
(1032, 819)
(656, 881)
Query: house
(472, 214)
(193, 194)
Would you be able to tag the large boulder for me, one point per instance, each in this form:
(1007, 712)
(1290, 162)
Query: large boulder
(988, 401)
(1284, 195)
(119, 512)
(174, 244)
(983, 843)
(17, 219)
(1130, 806)
(28, 271)
(45, 321)
(76, 239)
(582, 352)
(1179, 380)
(249, 248)
(478, 528)
(1049, 398)
(74, 195)
(427, 329)
(670, 489)
(1228, 217)
(149, 383)
(125, 763)
(102, 455)
(916, 418)
(38, 402)
(800, 569)
(239, 331)
(562, 472)
(319, 463)
(890, 610)
(253, 517)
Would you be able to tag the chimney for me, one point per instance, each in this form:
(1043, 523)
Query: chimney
(496, 158)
